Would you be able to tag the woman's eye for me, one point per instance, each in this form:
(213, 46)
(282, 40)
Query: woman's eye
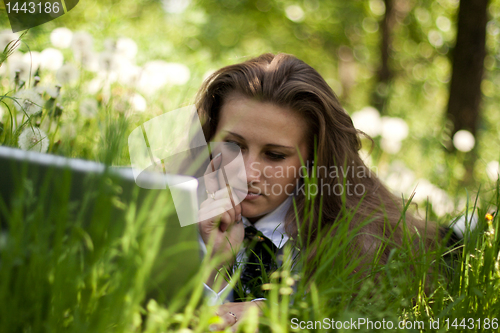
(235, 146)
(275, 156)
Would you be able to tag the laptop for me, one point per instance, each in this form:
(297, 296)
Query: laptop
(47, 201)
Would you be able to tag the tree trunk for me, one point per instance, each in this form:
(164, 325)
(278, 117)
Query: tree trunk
(467, 73)
(384, 74)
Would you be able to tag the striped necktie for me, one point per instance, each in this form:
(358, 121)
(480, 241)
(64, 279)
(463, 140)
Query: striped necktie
(261, 262)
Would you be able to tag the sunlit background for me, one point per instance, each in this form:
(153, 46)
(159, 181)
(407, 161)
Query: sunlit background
(119, 63)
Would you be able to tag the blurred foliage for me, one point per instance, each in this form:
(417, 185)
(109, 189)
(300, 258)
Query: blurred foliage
(338, 38)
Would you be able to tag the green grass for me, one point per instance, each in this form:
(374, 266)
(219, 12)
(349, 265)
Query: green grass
(64, 267)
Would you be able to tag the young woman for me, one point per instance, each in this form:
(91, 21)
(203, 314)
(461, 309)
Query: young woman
(279, 110)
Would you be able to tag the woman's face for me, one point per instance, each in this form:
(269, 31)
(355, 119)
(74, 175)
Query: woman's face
(268, 136)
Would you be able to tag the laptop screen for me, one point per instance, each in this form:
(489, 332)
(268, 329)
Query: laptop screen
(51, 203)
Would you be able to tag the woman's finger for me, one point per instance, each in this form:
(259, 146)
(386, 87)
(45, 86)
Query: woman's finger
(226, 220)
(211, 174)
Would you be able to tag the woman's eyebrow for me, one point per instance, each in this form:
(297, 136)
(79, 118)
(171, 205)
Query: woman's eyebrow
(267, 145)
(278, 146)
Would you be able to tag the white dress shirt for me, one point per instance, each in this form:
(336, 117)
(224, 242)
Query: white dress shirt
(272, 226)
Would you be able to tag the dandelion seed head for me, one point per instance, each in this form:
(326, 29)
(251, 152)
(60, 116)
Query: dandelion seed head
(61, 37)
(390, 146)
(158, 73)
(175, 6)
(294, 13)
(138, 103)
(367, 120)
(492, 170)
(126, 47)
(441, 202)
(393, 128)
(82, 41)
(464, 141)
(35, 139)
(89, 60)
(33, 59)
(67, 74)
(53, 91)
(51, 59)
(400, 179)
(29, 101)
(108, 61)
(462, 224)
(128, 73)
(18, 64)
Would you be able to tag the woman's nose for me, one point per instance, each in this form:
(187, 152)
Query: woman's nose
(253, 170)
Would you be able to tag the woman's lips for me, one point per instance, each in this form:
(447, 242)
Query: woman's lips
(252, 196)
(247, 195)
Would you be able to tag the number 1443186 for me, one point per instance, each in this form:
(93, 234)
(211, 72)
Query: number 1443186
(32, 7)
(471, 323)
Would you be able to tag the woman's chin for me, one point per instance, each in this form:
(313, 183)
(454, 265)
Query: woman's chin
(249, 210)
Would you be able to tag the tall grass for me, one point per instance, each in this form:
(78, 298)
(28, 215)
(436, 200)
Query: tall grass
(97, 264)
(101, 261)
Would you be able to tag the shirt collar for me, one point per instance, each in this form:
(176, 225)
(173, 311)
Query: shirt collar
(272, 225)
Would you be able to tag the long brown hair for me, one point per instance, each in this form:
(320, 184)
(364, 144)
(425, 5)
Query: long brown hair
(288, 82)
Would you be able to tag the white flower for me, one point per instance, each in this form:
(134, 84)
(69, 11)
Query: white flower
(390, 146)
(61, 37)
(29, 101)
(18, 64)
(153, 76)
(177, 74)
(33, 138)
(492, 170)
(400, 179)
(367, 120)
(462, 225)
(82, 42)
(88, 59)
(89, 108)
(158, 73)
(128, 73)
(102, 81)
(53, 91)
(394, 128)
(6, 36)
(138, 103)
(175, 6)
(33, 59)
(110, 45)
(441, 202)
(108, 61)
(51, 59)
(464, 141)
(67, 74)
(294, 13)
(126, 47)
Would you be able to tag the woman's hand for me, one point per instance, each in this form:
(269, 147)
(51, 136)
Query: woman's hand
(233, 313)
(220, 218)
